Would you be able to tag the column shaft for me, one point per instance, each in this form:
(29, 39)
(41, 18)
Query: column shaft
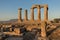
(32, 14)
(19, 14)
(46, 13)
(25, 17)
(43, 29)
(39, 14)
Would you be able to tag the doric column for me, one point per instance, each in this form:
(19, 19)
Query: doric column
(43, 29)
(46, 13)
(25, 17)
(39, 13)
(19, 15)
(32, 14)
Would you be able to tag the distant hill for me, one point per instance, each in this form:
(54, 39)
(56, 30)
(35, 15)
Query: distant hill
(9, 21)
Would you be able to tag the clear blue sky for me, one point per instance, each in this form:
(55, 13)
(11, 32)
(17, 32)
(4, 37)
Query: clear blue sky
(9, 8)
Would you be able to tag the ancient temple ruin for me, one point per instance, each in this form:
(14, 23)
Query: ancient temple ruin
(42, 27)
(43, 24)
(32, 13)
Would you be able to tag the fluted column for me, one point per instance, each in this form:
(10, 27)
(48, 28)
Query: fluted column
(43, 29)
(39, 14)
(19, 15)
(46, 13)
(25, 17)
(32, 14)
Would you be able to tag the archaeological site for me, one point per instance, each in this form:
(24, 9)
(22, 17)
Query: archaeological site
(31, 29)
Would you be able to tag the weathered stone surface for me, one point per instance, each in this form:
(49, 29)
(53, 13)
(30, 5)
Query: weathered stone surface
(26, 16)
(46, 30)
(19, 15)
(55, 35)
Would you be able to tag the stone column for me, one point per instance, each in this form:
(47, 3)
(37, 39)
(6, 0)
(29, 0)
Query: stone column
(43, 30)
(32, 14)
(25, 17)
(39, 14)
(46, 13)
(19, 15)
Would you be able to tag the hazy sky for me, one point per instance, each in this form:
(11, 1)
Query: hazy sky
(9, 8)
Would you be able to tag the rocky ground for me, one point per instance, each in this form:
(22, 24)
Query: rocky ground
(55, 35)
(52, 35)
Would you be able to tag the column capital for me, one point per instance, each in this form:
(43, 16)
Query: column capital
(38, 6)
(19, 8)
(31, 8)
(46, 5)
(25, 9)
